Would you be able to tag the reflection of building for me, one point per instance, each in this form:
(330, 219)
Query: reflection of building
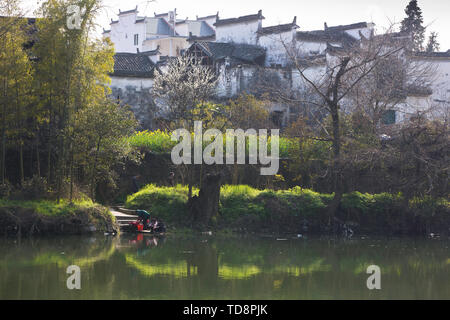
(246, 55)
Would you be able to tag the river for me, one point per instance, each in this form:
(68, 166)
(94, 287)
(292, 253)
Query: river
(210, 267)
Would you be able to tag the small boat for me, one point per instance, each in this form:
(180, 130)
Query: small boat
(138, 227)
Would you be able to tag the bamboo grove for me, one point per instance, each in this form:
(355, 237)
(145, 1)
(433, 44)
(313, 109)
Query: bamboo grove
(57, 124)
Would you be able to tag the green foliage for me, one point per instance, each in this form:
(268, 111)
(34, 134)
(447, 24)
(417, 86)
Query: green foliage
(242, 204)
(54, 96)
(153, 141)
(98, 133)
(34, 188)
(308, 201)
(51, 208)
(357, 200)
(428, 206)
(160, 142)
(167, 203)
(413, 24)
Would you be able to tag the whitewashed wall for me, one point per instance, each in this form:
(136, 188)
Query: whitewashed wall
(122, 33)
(139, 83)
(245, 32)
(275, 50)
(136, 92)
(441, 83)
(311, 47)
(365, 32)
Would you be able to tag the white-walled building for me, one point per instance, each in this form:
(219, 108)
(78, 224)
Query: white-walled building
(164, 32)
(240, 49)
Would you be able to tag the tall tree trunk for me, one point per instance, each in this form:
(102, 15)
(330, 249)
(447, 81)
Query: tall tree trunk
(71, 172)
(4, 132)
(206, 206)
(94, 168)
(19, 129)
(22, 176)
(38, 159)
(336, 176)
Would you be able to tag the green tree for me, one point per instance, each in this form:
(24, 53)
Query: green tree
(433, 44)
(15, 82)
(72, 74)
(98, 139)
(413, 25)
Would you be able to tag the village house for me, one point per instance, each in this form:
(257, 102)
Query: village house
(243, 52)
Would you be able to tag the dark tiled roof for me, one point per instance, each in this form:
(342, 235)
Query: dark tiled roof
(332, 34)
(133, 65)
(244, 53)
(159, 15)
(139, 20)
(151, 52)
(358, 25)
(419, 91)
(316, 35)
(106, 31)
(208, 17)
(241, 19)
(114, 21)
(128, 11)
(279, 28)
(325, 36)
(193, 38)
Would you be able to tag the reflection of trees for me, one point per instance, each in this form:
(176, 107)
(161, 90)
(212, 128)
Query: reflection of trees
(205, 259)
(228, 268)
(36, 269)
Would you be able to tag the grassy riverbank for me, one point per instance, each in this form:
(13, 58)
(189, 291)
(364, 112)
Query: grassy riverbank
(243, 208)
(49, 217)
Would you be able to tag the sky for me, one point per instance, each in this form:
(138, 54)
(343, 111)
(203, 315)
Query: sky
(311, 14)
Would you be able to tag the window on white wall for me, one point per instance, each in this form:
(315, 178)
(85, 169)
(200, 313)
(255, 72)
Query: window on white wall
(136, 39)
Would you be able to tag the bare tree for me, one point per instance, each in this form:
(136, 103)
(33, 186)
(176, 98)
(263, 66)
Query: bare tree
(332, 85)
(393, 78)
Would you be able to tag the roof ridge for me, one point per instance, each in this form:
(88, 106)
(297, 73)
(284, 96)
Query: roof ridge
(248, 17)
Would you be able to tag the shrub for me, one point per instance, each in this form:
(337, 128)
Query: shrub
(33, 189)
(357, 201)
(244, 206)
(5, 189)
(167, 203)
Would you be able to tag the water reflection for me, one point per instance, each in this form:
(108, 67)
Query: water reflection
(146, 267)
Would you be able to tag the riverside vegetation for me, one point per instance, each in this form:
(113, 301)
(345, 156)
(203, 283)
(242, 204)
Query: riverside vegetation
(296, 210)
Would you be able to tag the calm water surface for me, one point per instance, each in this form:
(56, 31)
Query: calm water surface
(143, 267)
